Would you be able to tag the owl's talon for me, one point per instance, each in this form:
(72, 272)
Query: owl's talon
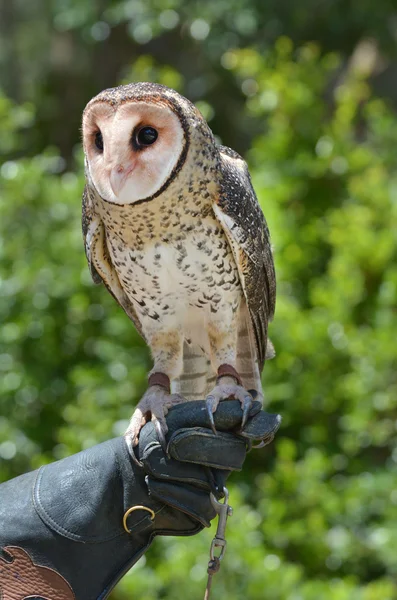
(226, 391)
(161, 434)
(154, 406)
(246, 409)
(131, 452)
(259, 445)
(211, 404)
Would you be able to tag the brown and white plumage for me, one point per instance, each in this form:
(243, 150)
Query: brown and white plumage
(238, 210)
(174, 230)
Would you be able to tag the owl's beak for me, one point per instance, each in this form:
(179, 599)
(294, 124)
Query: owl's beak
(119, 175)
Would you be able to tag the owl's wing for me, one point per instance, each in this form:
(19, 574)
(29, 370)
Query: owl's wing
(90, 223)
(99, 262)
(241, 217)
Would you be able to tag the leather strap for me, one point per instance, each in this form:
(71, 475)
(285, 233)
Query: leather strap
(229, 371)
(160, 379)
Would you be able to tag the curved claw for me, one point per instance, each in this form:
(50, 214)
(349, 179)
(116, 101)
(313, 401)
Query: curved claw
(131, 452)
(260, 445)
(161, 436)
(264, 442)
(210, 404)
(246, 409)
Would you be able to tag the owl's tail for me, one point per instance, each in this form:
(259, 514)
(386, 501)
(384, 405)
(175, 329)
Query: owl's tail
(198, 377)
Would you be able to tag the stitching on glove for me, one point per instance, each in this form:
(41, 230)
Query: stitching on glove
(40, 509)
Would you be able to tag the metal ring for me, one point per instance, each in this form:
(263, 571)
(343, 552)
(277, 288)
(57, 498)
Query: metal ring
(215, 502)
(131, 510)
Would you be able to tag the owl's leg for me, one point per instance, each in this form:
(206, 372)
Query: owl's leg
(223, 349)
(167, 352)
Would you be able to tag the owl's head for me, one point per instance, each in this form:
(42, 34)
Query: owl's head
(136, 138)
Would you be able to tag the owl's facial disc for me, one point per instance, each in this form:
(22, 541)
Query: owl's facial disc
(131, 151)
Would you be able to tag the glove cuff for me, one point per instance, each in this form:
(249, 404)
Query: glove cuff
(68, 519)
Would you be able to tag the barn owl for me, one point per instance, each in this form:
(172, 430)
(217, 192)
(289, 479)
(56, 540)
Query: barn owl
(173, 229)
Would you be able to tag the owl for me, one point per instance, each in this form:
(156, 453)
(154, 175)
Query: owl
(174, 230)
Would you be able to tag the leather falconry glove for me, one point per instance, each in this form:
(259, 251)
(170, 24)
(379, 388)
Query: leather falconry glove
(72, 529)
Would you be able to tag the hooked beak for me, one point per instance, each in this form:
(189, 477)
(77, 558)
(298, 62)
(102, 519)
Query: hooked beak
(118, 177)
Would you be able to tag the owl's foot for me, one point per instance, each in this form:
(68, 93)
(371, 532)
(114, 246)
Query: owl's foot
(228, 386)
(153, 406)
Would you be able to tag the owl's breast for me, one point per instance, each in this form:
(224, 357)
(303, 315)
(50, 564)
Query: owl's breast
(187, 272)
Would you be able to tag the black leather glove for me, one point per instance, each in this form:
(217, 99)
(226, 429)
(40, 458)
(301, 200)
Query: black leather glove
(73, 528)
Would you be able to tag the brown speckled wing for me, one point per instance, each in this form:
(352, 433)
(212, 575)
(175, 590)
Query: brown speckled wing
(238, 210)
(98, 257)
(89, 223)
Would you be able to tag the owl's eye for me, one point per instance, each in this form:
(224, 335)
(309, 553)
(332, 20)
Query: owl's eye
(146, 136)
(99, 141)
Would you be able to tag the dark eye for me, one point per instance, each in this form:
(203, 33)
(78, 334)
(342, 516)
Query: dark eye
(146, 136)
(99, 141)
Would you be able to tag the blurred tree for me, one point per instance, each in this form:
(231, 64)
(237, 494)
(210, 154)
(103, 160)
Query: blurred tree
(58, 54)
(321, 521)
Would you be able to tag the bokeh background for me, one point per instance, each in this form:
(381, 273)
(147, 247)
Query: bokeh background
(307, 92)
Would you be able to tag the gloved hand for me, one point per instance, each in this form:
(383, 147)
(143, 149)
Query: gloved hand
(72, 529)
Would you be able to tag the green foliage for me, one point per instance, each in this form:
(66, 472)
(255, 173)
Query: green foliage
(315, 515)
(61, 358)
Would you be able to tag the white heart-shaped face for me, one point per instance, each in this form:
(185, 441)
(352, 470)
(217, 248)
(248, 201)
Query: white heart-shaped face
(131, 150)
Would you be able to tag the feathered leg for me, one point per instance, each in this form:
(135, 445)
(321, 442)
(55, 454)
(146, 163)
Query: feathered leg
(167, 352)
(222, 333)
